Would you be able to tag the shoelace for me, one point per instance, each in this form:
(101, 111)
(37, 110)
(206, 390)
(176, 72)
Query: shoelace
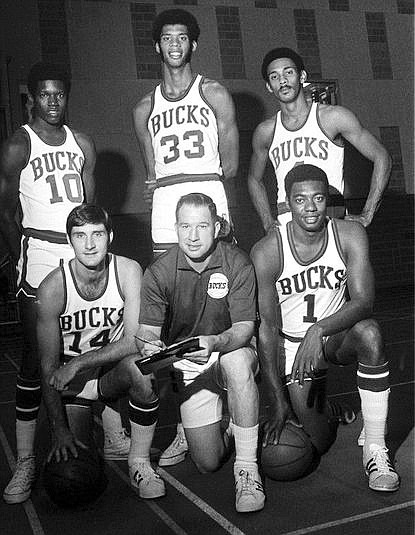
(381, 460)
(247, 481)
(145, 473)
(23, 474)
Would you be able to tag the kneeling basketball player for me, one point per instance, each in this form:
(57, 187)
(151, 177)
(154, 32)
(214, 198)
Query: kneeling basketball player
(82, 306)
(302, 271)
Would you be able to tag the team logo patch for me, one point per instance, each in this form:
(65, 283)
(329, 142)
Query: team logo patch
(218, 286)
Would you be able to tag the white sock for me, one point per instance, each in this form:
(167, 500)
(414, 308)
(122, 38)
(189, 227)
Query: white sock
(111, 421)
(374, 412)
(141, 439)
(25, 437)
(246, 443)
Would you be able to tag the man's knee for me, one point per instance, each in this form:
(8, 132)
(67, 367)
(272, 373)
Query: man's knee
(140, 387)
(369, 339)
(206, 465)
(238, 367)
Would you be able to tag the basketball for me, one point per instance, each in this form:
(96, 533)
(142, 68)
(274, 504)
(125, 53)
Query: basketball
(290, 458)
(77, 481)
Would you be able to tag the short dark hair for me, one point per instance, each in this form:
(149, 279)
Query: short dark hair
(277, 53)
(47, 71)
(198, 199)
(176, 16)
(88, 213)
(304, 173)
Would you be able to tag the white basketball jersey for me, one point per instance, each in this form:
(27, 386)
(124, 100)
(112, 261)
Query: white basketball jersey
(88, 324)
(310, 291)
(51, 184)
(184, 133)
(306, 145)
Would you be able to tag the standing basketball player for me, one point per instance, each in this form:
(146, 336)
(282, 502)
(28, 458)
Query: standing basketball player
(302, 270)
(81, 306)
(186, 128)
(189, 140)
(305, 132)
(45, 170)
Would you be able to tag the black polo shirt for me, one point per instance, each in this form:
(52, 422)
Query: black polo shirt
(186, 303)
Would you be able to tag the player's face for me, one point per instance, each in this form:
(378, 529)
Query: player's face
(90, 244)
(284, 81)
(196, 232)
(50, 101)
(307, 203)
(175, 46)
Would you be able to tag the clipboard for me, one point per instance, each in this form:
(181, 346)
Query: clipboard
(169, 355)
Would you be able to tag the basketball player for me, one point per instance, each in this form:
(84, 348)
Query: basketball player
(45, 170)
(206, 288)
(84, 303)
(305, 132)
(189, 140)
(302, 269)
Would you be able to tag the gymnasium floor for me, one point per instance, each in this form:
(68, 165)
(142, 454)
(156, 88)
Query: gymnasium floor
(333, 500)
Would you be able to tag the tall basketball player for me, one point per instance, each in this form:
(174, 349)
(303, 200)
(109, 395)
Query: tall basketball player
(188, 137)
(302, 269)
(312, 133)
(46, 169)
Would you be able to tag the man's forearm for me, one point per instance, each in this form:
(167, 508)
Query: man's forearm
(345, 318)
(234, 338)
(111, 353)
(260, 201)
(11, 236)
(54, 407)
(269, 354)
(378, 184)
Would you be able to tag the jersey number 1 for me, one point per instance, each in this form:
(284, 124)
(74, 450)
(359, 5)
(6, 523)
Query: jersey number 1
(309, 317)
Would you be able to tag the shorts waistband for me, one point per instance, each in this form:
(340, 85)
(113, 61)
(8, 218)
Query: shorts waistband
(294, 339)
(180, 179)
(46, 235)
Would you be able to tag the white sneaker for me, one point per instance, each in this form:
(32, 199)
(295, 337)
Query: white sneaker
(380, 470)
(250, 494)
(177, 451)
(20, 486)
(116, 446)
(144, 478)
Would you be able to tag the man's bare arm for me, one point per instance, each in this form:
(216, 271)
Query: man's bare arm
(350, 128)
(140, 117)
(88, 178)
(49, 304)
(266, 260)
(221, 101)
(13, 158)
(260, 144)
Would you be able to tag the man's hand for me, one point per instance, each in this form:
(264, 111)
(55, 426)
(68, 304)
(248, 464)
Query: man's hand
(148, 192)
(61, 377)
(309, 355)
(202, 355)
(364, 218)
(63, 443)
(149, 348)
(278, 413)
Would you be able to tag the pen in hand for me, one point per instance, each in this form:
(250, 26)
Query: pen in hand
(146, 341)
